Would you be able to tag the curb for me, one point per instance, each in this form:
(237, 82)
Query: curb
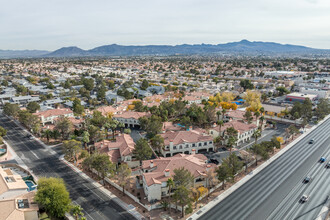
(102, 189)
(223, 195)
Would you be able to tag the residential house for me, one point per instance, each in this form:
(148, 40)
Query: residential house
(156, 173)
(130, 119)
(50, 115)
(118, 151)
(244, 130)
(186, 142)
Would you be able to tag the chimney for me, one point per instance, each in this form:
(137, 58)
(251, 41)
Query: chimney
(167, 172)
(193, 151)
(171, 144)
(151, 163)
(208, 167)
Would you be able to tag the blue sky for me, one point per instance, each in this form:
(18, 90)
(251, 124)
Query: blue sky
(51, 24)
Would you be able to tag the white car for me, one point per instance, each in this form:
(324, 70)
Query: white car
(304, 198)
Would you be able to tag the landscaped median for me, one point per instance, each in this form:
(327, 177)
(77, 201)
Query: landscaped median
(226, 193)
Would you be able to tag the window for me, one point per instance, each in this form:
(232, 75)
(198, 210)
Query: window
(180, 147)
(205, 143)
(210, 142)
(193, 145)
(187, 145)
(200, 144)
(174, 147)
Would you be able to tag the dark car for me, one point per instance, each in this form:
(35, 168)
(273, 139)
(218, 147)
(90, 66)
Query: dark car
(311, 141)
(328, 165)
(307, 179)
(28, 136)
(214, 161)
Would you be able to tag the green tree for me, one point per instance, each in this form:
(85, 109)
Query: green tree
(293, 130)
(142, 151)
(103, 166)
(33, 107)
(53, 196)
(259, 150)
(11, 109)
(71, 149)
(85, 139)
(123, 175)
(234, 165)
(152, 125)
(47, 134)
(282, 90)
(170, 185)
(232, 134)
(157, 143)
(88, 83)
(145, 84)
(77, 211)
(183, 195)
(64, 126)
(323, 108)
(256, 134)
(223, 173)
(3, 131)
(183, 177)
(248, 116)
(306, 111)
(77, 107)
(246, 84)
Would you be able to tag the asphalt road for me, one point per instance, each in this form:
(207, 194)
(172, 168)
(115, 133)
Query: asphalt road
(43, 162)
(275, 191)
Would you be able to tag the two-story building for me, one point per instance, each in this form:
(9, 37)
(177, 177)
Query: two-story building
(156, 173)
(119, 151)
(130, 119)
(185, 142)
(244, 130)
(49, 116)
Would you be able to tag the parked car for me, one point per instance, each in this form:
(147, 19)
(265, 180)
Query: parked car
(304, 198)
(311, 141)
(328, 165)
(322, 159)
(307, 179)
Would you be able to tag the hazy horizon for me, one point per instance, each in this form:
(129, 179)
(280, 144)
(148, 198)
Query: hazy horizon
(50, 25)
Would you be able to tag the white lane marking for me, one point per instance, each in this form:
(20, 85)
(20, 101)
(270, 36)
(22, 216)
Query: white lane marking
(93, 192)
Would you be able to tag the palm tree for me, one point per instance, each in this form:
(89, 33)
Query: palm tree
(107, 126)
(257, 114)
(220, 123)
(121, 125)
(113, 126)
(256, 134)
(47, 133)
(170, 185)
(262, 118)
(85, 138)
(223, 113)
(218, 114)
(232, 137)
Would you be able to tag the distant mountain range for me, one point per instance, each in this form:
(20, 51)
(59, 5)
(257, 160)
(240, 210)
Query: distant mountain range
(243, 47)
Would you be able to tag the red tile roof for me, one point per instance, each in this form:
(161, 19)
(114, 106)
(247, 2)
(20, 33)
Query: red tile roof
(195, 163)
(179, 137)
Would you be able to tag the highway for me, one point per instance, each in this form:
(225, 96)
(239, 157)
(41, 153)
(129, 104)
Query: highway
(275, 191)
(43, 162)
